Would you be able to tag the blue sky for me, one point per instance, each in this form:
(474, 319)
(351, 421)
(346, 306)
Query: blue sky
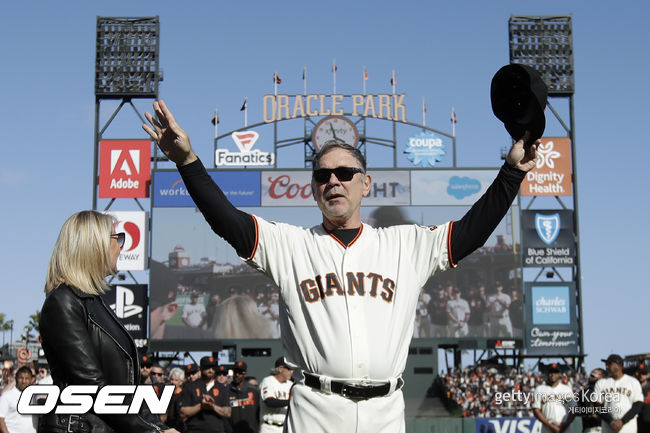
(213, 54)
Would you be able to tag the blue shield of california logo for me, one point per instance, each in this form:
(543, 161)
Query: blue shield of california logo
(548, 227)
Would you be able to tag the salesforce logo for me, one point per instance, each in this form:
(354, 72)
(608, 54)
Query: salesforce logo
(461, 187)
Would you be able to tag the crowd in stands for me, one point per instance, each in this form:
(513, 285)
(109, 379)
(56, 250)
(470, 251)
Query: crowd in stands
(475, 391)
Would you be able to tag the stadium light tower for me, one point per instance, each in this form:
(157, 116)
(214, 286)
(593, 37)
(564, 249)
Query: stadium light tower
(546, 44)
(126, 68)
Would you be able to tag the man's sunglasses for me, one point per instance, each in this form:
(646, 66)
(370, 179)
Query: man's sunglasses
(344, 174)
(120, 237)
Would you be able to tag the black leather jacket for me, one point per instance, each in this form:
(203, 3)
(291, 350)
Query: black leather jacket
(86, 345)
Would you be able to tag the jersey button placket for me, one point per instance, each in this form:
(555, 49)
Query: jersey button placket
(356, 317)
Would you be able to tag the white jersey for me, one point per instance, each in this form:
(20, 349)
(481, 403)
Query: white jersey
(618, 397)
(459, 309)
(348, 312)
(554, 402)
(193, 313)
(498, 305)
(270, 387)
(15, 422)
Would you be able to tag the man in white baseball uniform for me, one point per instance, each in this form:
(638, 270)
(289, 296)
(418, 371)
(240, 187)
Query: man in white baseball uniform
(275, 391)
(552, 402)
(194, 313)
(459, 313)
(620, 396)
(348, 290)
(499, 324)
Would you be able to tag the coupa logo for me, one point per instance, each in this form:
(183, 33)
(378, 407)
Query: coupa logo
(461, 187)
(124, 305)
(548, 227)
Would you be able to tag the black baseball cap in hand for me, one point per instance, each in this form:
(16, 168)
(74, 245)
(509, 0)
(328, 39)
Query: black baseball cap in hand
(518, 95)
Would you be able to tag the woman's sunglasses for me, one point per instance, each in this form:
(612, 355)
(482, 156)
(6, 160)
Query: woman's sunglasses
(120, 237)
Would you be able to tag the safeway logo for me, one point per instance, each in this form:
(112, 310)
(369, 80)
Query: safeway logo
(245, 140)
(133, 254)
(124, 305)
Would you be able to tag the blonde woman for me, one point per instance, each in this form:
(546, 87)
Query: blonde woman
(82, 339)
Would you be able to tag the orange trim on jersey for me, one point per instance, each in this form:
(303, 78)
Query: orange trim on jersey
(357, 236)
(257, 237)
(451, 260)
(339, 241)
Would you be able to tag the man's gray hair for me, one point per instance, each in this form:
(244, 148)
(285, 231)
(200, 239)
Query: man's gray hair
(332, 146)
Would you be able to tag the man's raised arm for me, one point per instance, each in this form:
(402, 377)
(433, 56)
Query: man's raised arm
(233, 225)
(471, 231)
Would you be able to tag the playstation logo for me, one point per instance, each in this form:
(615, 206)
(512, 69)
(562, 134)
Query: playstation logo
(123, 305)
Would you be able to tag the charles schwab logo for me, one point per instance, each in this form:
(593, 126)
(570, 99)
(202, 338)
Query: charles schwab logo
(425, 149)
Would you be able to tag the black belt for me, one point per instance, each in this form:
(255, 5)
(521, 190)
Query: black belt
(65, 423)
(353, 392)
(279, 424)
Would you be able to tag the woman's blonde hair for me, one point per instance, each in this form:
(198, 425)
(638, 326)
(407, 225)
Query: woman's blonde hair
(82, 253)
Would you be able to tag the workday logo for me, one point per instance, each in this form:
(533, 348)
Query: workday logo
(124, 305)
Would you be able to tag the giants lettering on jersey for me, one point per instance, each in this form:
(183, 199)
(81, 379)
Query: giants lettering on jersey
(617, 390)
(359, 283)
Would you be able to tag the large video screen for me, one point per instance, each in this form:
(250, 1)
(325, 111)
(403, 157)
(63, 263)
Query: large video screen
(201, 290)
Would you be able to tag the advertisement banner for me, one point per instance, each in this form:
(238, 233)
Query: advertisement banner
(553, 175)
(449, 187)
(509, 425)
(247, 156)
(124, 168)
(129, 302)
(289, 188)
(389, 188)
(551, 323)
(293, 188)
(547, 238)
(242, 188)
(425, 149)
(133, 256)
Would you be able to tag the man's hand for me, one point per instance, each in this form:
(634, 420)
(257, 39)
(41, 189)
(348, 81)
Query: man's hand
(616, 425)
(207, 403)
(170, 137)
(523, 157)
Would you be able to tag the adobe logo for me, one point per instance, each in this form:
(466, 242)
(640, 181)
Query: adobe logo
(124, 168)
